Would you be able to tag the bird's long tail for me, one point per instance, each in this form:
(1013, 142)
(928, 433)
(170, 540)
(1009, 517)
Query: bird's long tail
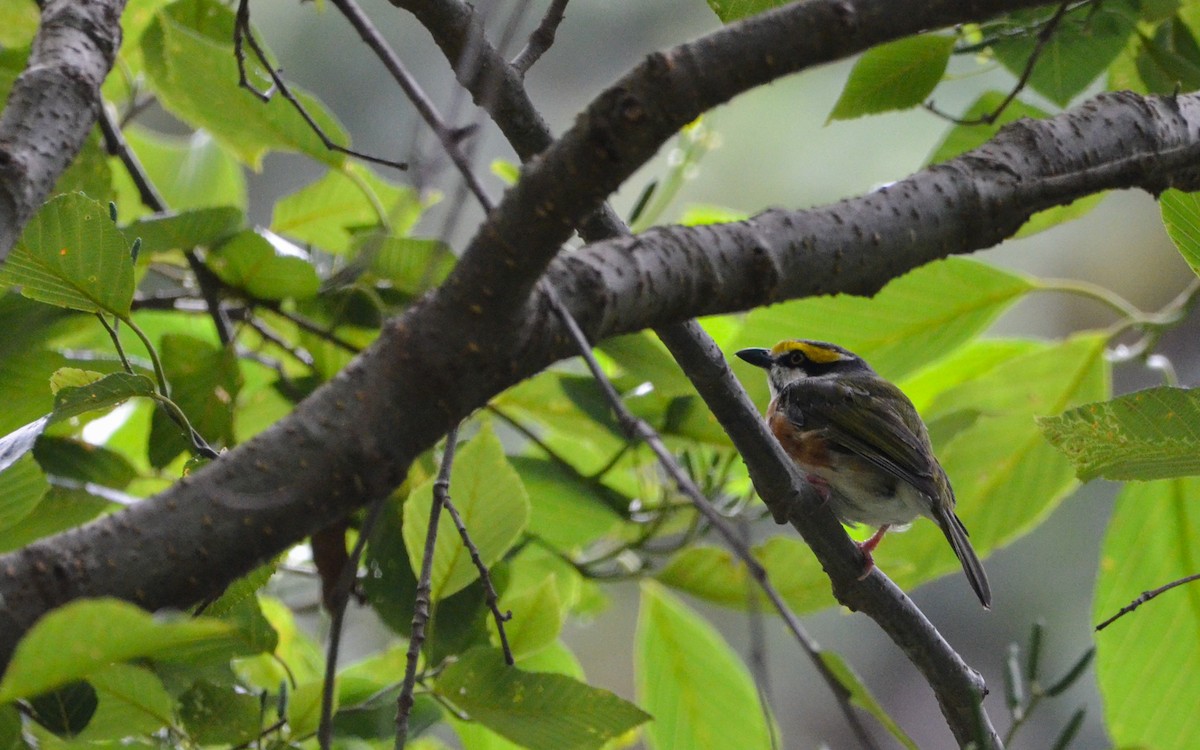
(956, 533)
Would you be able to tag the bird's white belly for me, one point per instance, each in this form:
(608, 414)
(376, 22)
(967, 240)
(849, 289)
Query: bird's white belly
(872, 498)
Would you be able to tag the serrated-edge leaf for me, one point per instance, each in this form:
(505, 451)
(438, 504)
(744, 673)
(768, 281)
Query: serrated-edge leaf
(52, 653)
(537, 710)
(1151, 434)
(103, 393)
(1181, 216)
(72, 255)
(897, 75)
(494, 506)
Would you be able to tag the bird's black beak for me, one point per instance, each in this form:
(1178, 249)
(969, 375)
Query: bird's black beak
(757, 357)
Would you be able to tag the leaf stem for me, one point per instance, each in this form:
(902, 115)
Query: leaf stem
(159, 374)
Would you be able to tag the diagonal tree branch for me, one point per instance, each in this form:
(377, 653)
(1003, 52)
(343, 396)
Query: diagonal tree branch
(352, 440)
(958, 688)
(625, 126)
(53, 105)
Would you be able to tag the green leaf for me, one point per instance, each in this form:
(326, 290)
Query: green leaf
(189, 56)
(537, 618)
(249, 262)
(219, 714)
(897, 75)
(690, 680)
(1083, 45)
(567, 510)
(494, 506)
(536, 710)
(67, 710)
(1181, 215)
(23, 378)
(88, 172)
(1052, 217)
(713, 574)
(202, 227)
(97, 392)
(191, 173)
(328, 213)
(132, 701)
(205, 381)
(412, 265)
(60, 509)
(75, 459)
(101, 393)
(1146, 661)
(73, 256)
(912, 322)
(304, 707)
(1169, 62)
(732, 10)
(702, 213)
(1145, 435)
(390, 583)
(22, 486)
(1006, 476)
(962, 138)
(645, 359)
(52, 654)
(860, 696)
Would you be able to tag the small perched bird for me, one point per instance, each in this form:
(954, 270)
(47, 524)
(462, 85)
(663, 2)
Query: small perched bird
(862, 445)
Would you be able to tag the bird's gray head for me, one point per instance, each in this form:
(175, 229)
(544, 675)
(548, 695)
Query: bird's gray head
(798, 359)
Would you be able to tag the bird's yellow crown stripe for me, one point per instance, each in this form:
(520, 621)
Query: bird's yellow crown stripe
(815, 353)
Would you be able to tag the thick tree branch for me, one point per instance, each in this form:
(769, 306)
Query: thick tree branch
(624, 126)
(353, 440)
(53, 105)
(956, 686)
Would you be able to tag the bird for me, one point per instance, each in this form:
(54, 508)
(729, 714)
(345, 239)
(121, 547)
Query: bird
(862, 445)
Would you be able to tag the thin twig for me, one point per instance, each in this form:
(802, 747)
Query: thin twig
(210, 285)
(1043, 38)
(340, 598)
(641, 430)
(758, 648)
(490, 595)
(448, 137)
(242, 30)
(116, 339)
(542, 37)
(297, 353)
(638, 429)
(441, 490)
(307, 325)
(1145, 597)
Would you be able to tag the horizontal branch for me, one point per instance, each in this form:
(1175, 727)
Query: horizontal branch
(626, 125)
(354, 438)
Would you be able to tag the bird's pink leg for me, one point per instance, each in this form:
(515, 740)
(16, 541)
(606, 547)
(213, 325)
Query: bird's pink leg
(820, 485)
(868, 547)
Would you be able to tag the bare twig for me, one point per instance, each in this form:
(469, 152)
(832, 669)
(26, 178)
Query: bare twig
(1145, 597)
(1043, 38)
(305, 324)
(338, 599)
(242, 31)
(210, 285)
(542, 37)
(441, 490)
(490, 596)
(638, 429)
(758, 649)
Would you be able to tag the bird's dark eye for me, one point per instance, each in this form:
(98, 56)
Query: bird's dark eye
(794, 359)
